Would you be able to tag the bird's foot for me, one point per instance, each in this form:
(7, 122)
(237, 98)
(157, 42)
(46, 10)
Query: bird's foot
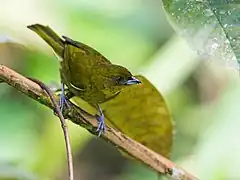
(101, 124)
(63, 100)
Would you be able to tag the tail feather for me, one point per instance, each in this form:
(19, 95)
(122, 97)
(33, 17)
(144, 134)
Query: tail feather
(50, 37)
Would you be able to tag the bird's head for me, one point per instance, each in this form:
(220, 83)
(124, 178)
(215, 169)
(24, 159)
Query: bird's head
(119, 77)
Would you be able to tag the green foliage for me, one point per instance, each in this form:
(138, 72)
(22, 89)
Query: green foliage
(211, 27)
(201, 97)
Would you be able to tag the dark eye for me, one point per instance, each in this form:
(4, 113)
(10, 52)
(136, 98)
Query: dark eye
(119, 79)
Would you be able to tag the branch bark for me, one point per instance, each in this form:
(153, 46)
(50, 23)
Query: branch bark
(86, 120)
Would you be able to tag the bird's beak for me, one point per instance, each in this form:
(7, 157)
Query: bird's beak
(133, 80)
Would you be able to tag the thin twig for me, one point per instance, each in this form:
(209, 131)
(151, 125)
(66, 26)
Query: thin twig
(86, 120)
(63, 124)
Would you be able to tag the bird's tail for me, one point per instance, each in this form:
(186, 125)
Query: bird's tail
(50, 37)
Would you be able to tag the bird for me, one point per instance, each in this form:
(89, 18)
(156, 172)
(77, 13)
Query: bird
(86, 72)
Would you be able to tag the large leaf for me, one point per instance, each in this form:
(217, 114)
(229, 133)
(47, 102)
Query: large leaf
(212, 27)
(140, 112)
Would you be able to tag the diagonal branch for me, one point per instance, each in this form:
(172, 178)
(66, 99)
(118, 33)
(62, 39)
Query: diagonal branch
(84, 119)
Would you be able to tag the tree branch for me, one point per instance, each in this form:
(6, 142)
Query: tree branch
(86, 120)
(58, 112)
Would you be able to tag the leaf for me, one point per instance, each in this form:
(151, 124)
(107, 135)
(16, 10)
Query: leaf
(141, 112)
(212, 27)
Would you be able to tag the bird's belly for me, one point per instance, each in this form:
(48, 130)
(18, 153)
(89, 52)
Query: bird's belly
(92, 96)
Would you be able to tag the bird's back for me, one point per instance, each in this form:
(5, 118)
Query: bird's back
(83, 70)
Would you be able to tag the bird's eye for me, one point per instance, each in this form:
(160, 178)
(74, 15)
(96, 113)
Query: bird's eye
(119, 79)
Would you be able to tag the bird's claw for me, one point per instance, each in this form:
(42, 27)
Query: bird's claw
(63, 100)
(101, 124)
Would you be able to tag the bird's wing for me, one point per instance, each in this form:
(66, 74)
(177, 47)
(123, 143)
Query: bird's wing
(89, 51)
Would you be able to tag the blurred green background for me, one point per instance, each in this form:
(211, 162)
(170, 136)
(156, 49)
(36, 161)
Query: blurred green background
(203, 97)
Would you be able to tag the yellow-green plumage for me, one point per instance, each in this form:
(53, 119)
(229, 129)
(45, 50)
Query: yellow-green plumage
(50, 37)
(138, 111)
(86, 72)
